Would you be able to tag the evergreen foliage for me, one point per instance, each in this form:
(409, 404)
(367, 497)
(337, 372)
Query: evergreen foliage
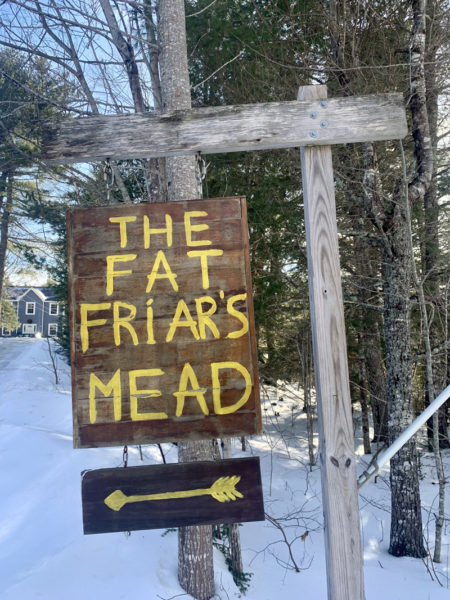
(221, 541)
(8, 316)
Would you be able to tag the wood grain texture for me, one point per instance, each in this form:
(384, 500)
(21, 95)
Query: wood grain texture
(226, 129)
(338, 467)
(134, 337)
(171, 479)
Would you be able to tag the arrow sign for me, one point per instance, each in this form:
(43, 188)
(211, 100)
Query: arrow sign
(223, 490)
(161, 496)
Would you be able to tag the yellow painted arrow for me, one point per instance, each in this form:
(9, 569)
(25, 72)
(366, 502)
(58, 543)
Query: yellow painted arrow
(223, 490)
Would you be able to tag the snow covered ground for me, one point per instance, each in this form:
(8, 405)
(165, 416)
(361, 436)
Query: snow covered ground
(44, 554)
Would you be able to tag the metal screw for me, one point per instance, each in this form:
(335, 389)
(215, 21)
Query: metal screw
(314, 134)
(324, 123)
(324, 104)
(313, 115)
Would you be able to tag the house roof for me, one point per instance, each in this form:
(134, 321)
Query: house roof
(46, 294)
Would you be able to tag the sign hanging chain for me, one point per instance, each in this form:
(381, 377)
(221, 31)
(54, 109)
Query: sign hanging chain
(125, 465)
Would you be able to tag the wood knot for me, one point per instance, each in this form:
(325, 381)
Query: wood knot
(335, 462)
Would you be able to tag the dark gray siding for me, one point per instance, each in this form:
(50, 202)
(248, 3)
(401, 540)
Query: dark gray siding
(28, 319)
(37, 310)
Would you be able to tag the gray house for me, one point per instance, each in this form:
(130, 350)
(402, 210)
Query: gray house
(38, 311)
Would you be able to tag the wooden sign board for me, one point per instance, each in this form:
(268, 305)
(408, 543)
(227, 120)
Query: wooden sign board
(162, 335)
(174, 495)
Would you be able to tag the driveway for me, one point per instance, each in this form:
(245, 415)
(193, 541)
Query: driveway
(11, 349)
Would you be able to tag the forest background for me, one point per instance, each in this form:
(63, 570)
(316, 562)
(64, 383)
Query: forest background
(74, 58)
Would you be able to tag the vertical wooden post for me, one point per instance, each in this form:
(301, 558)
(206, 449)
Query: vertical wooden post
(338, 472)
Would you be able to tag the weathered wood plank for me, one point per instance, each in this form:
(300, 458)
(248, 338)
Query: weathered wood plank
(162, 337)
(226, 129)
(338, 467)
(170, 430)
(172, 495)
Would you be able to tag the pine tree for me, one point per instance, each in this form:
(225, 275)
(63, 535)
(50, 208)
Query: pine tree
(8, 316)
(29, 93)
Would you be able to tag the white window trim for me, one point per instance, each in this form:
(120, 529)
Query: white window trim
(53, 304)
(50, 325)
(33, 304)
(27, 326)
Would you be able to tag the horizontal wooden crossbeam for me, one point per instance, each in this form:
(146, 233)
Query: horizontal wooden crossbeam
(226, 129)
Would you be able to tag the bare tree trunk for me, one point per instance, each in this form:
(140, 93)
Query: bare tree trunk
(195, 551)
(153, 67)
(424, 110)
(309, 421)
(430, 389)
(126, 51)
(175, 91)
(423, 148)
(363, 398)
(431, 243)
(406, 524)
(4, 227)
(406, 520)
(374, 364)
(306, 365)
(235, 539)
(235, 552)
(446, 333)
(3, 178)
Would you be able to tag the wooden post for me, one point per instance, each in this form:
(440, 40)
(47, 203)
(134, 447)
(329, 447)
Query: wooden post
(338, 468)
